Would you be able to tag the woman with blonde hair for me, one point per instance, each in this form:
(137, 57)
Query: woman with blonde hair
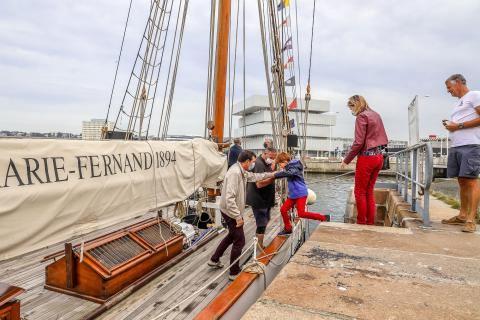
(369, 143)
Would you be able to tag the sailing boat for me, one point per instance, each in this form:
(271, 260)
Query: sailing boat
(70, 188)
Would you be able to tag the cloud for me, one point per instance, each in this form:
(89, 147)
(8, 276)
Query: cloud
(58, 58)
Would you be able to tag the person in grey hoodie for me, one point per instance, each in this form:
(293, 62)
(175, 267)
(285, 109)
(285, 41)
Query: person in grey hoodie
(232, 206)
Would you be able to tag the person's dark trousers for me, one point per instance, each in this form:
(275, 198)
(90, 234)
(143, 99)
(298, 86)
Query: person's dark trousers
(236, 237)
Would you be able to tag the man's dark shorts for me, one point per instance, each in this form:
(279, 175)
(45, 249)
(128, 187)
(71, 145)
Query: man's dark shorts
(262, 216)
(464, 161)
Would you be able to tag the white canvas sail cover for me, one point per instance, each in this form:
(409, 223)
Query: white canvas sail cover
(52, 190)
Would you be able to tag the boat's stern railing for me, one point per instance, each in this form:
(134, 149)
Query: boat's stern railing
(414, 175)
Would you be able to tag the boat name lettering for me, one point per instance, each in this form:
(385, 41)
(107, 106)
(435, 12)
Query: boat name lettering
(32, 171)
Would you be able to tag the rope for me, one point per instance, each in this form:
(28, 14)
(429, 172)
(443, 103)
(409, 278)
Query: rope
(169, 69)
(118, 64)
(267, 74)
(175, 70)
(156, 199)
(160, 65)
(307, 94)
(299, 76)
(204, 287)
(208, 102)
(234, 74)
(244, 80)
(331, 178)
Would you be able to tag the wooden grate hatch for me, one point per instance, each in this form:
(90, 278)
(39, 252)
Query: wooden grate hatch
(156, 234)
(115, 253)
(114, 261)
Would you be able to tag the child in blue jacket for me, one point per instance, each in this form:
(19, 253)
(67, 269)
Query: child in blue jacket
(297, 191)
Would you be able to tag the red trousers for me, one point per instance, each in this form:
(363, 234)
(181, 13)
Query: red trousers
(366, 175)
(300, 203)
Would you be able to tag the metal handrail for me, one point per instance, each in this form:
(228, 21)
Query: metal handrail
(414, 169)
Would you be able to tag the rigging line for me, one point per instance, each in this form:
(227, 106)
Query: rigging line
(130, 115)
(159, 69)
(244, 80)
(148, 68)
(146, 82)
(278, 73)
(169, 74)
(229, 77)
(302, 119)
(234, 70)
(150, 72)
(174, 79)
(307, 95)
(133, 69)
(266, 65)
(136, 98)
(118, 62)
(148, 63)
(208, 112)
(169, 68)
(273, 86)
(140, 88)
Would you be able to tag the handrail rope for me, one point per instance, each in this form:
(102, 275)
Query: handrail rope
(204, 287)
(118, 62)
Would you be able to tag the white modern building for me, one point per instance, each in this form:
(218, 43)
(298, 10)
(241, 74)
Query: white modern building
(92, 130)
(255, 125)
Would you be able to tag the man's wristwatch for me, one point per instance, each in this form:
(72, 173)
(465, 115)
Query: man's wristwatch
(460, 125)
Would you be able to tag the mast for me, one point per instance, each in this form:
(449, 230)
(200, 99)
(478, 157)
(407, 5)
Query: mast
(221, 62)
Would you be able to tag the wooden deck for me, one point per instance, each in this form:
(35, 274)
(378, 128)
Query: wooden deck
(154, 298)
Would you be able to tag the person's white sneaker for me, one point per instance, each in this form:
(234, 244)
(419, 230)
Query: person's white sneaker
(213, 264)
(232, 277)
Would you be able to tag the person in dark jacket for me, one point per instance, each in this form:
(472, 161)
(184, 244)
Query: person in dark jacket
(261, 194)
(370, 141)
(297, 191)
(235, 150)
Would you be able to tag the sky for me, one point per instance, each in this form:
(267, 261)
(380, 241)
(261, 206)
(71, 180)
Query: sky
(58, 59)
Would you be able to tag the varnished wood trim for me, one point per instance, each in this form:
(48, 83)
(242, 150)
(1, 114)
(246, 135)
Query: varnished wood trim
(225, 300)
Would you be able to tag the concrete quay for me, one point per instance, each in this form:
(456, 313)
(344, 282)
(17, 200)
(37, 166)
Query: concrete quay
(347, 271)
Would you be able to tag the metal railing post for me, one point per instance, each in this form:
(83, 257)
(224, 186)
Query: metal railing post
(405, 184)
(409, 171)
(428, 181)
(414, 178)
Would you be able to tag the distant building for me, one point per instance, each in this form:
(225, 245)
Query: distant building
(393, 145)
(92, 130)
(256, 124)
(439, 144)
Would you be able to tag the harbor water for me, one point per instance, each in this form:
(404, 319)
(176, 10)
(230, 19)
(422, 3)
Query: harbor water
(332, 193)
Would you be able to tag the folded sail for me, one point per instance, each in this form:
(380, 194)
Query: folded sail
(52, 190)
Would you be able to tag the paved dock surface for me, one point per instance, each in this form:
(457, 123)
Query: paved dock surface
(347, 271)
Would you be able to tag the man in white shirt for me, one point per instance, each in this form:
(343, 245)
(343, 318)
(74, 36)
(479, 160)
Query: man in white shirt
(464, 154)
